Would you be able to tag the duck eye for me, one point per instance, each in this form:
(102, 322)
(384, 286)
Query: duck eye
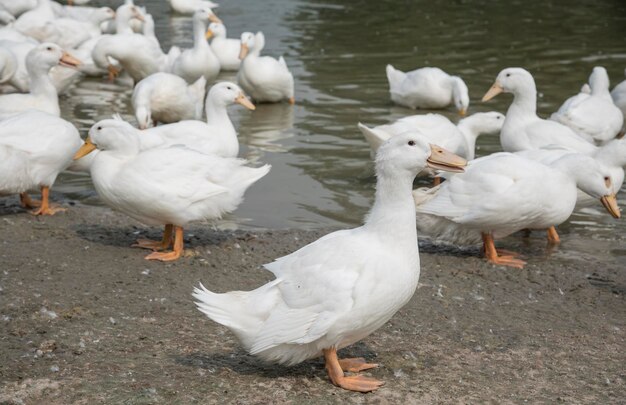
(607, 181)
(508, 75)
(99, 128)
(411, 143)
(229, 88)
(49, 48)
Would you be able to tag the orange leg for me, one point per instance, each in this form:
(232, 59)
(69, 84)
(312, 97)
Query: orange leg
(492, 254)
(113, 72)
(553, 236)
(27, 202)
(174, 254)
(46, 208)
(154, 244)
(292, 100)
(352, 383)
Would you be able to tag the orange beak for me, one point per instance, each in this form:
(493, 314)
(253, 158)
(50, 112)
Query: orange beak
(243, 100)
(214, 18)
(493, 91)
(87, 148)
(441, 159)
(610, 203)
(243, 52)
(68, 60)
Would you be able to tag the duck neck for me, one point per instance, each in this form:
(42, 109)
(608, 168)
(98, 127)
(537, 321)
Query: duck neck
(217, 115)
(570, 165)
(613, 153)
(470, 135)
(199, 30)
(524, 100)
(122, 23)
(393, 213)
(40, 82)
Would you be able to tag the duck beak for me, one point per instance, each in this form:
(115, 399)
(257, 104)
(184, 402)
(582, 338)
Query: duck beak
(243, 100)
(463, 112)
(243, 52)
(68, 60)
(493, 91)
(441, 159)
(610, 203)
(208, 34)
(214, 18)
(87, 148)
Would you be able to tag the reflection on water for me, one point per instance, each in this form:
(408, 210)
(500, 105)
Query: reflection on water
(321, 171)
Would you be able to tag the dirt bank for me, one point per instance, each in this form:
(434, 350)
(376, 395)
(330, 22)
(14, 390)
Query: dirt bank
(85, 319)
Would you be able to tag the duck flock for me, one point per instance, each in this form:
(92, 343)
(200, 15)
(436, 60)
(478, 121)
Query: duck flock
(179, 164)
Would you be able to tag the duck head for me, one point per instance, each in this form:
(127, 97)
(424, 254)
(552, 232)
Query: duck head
(144, 117)
(484, 123)
(599, 80)
(510, 80)
(409, 152)
(217, 30)
(48, 55)
(227, 93)
(460, 95)
(110, 135)
(593, 178)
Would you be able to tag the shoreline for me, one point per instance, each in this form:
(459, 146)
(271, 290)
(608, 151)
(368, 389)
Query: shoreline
(85, 319)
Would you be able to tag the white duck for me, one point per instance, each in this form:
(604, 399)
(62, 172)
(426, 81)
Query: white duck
(503, 193)
(200, 60)
(523, 129)
(43, 95)
(31, 23)
(166, 186)
(215, 136)
(459, 139)
(70, 33)
(427, 87)
(137, 54)
(34, 148)
(226, 49)
(618, 94)
(124, 14)
(190, 6)
(166, 98)
(344, 286)
(264, 78)
(611, 155)
(592, 116)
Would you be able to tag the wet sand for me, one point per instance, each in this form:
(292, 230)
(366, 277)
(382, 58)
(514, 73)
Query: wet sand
(85, 319)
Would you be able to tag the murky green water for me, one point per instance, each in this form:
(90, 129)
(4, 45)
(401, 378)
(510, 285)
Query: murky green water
(322, 174)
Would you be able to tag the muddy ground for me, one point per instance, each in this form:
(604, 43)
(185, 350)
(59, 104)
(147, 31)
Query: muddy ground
(84, 319)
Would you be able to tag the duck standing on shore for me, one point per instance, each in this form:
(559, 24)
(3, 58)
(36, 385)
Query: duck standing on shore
(344, 286)
(34, 148)
(170, 186)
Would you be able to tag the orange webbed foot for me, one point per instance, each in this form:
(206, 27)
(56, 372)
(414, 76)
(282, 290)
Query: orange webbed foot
(164, 256)
(359, 383)
(149, 244)
(48, 210)
(509, 261)
(356, 364)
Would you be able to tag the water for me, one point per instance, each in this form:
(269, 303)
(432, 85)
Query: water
(322, 174)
